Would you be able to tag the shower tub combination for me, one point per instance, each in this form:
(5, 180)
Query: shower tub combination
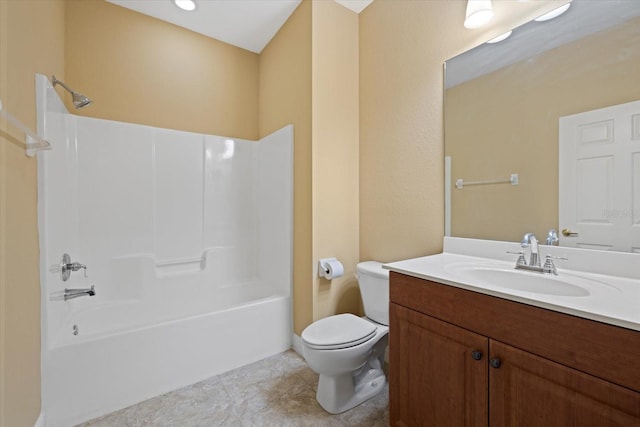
(187, 239)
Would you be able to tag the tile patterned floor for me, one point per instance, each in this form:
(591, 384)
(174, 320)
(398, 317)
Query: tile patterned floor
(277, 391)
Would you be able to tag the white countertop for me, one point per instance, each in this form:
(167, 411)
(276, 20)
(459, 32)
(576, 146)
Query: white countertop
(612, 299)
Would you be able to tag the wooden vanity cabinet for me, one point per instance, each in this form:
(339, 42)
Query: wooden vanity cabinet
(433, 379)
(461, 358)
(530, 390)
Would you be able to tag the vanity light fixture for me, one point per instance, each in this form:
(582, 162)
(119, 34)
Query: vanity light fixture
(188, 5)
(479, 12)
(553, 14)
(501, 37)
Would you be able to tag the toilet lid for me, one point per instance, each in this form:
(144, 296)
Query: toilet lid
(339, 331)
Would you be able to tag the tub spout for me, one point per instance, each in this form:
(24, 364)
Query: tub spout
(75, 293)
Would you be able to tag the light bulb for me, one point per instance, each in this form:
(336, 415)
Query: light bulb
(188, 5)
(479, 12)
(553, 14)
(501, 37)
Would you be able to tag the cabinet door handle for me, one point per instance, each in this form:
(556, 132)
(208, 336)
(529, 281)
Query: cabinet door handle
(495, 363)
(476, 354)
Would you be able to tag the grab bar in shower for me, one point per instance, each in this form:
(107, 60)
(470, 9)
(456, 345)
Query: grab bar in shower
(33, 142)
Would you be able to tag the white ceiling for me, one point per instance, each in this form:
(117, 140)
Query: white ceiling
(249, 24)
(356, 5)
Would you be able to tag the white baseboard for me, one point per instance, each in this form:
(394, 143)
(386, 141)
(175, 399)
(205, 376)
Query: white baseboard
(297, 344)
(40, 420)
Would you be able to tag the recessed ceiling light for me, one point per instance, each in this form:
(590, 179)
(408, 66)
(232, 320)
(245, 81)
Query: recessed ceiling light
(188, 5)
(553, 14)
(501, 37)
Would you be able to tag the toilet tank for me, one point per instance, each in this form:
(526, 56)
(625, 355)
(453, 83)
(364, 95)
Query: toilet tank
(374, 288)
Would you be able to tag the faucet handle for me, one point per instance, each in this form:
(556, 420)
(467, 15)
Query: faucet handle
(562, 258)
(77, 266)
(66, 267)
(549, 266)
(528, 239)
(521, 260)
(552, 237)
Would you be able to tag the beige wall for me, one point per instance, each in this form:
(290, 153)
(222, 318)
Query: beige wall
(488, 138)
(335, 155)
(31, 40)
(285, 98)
(142, 70)
(309, 77)
(403, 44)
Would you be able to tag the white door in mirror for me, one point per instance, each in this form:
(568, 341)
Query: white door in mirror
(599, 178)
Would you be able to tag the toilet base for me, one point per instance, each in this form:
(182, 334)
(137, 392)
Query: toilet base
(340, 393)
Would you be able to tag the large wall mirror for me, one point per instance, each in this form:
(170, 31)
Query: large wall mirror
(542, 131)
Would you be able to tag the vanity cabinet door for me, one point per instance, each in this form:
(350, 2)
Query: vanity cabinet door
(438, 372)
(527, 390)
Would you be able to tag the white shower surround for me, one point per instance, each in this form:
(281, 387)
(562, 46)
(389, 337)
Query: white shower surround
(188, 242)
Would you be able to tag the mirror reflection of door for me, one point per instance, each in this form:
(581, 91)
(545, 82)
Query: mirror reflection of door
(599, 178)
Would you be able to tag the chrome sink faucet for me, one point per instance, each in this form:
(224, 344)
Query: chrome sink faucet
(529, 240)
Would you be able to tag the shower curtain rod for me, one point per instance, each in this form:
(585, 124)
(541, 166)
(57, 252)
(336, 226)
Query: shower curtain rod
(33, 142)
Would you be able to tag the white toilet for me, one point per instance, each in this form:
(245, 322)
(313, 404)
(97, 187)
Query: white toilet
(348, 351)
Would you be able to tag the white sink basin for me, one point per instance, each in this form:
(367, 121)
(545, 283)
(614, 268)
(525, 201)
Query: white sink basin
(540, 284)
(526, 281)
(598, 285)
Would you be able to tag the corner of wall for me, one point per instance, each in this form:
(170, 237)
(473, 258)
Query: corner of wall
(335, 155)
(31, 40)
(285, 98)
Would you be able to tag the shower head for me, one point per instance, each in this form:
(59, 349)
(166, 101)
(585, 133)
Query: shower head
(78, 99)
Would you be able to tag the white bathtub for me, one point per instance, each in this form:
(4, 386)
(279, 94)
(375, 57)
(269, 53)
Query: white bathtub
(188, 242)
(94, 374)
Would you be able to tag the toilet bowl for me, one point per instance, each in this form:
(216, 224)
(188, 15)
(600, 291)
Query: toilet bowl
(347, 351)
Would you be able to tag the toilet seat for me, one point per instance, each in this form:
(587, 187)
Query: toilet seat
(339, 331)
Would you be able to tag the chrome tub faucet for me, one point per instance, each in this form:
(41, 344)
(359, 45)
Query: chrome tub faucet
(75, 293)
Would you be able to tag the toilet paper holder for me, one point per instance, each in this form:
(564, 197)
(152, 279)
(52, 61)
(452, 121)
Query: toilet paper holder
(330, 268)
